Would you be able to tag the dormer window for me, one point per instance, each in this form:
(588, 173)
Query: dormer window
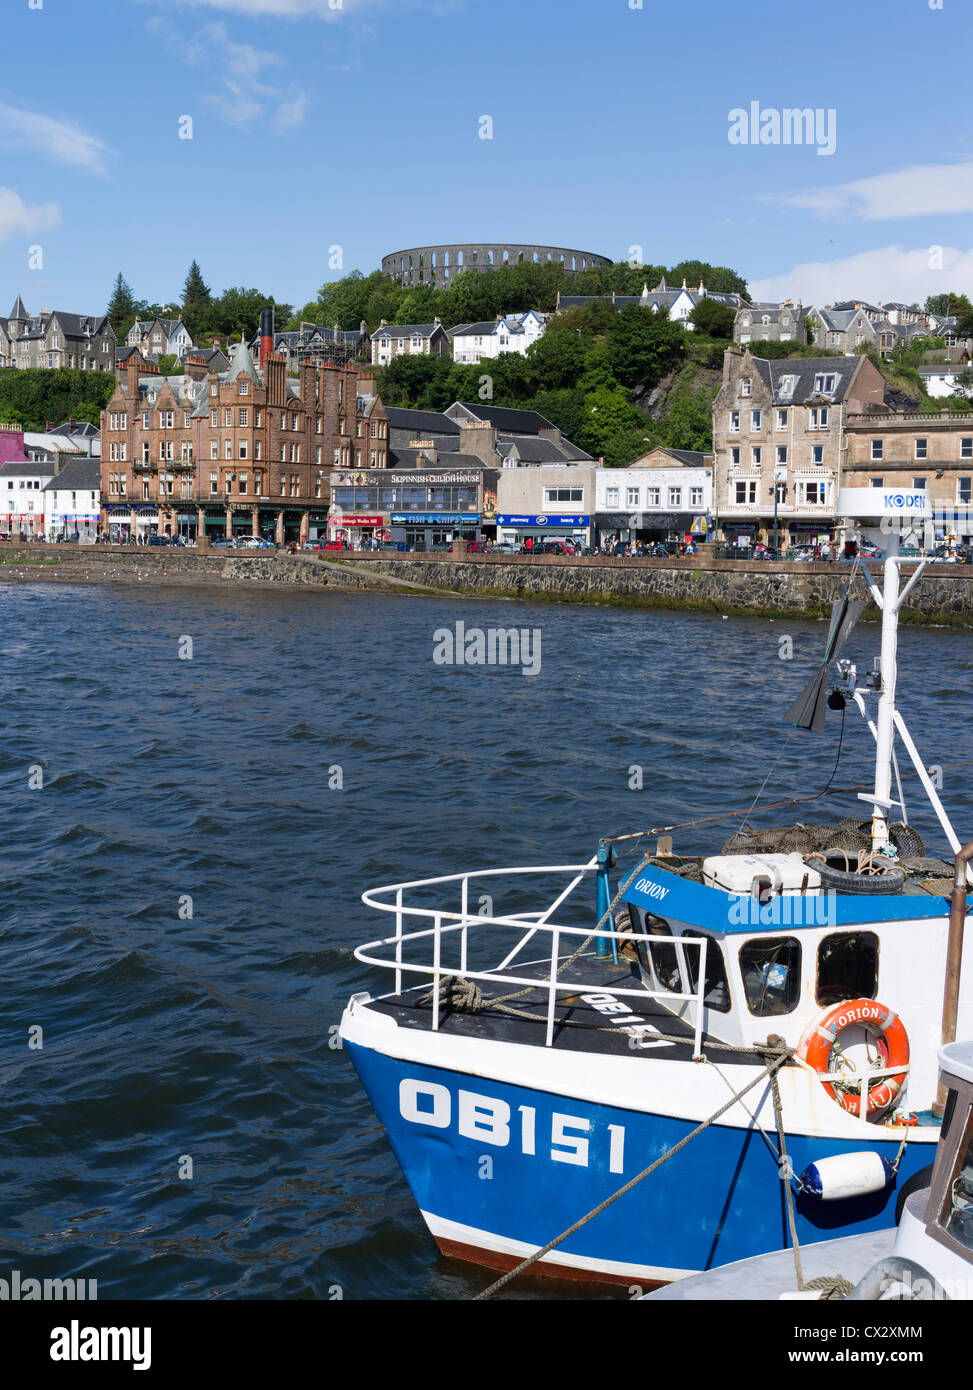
(825, 383)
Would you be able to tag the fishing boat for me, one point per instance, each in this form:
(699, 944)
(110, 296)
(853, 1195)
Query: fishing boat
(732, 1054)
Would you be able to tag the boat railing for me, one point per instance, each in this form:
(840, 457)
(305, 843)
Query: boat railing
(453, 929)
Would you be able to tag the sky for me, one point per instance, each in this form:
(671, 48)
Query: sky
(283, 143)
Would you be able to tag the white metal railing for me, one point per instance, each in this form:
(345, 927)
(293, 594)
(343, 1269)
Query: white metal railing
(447, 926)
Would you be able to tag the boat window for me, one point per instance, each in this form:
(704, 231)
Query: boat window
(661, 954)
(847, 967)
(957, 1213)
(717, 990)
(771, 969)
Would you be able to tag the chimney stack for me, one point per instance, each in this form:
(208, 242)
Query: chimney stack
(266, 334)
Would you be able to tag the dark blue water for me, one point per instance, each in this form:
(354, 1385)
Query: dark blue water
(167, 1037)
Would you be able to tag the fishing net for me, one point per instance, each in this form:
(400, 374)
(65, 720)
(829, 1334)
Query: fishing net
(849, 834)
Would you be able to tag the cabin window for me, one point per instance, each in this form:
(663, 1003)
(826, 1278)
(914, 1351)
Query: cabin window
(716, 993)
(957, 1213)
(847, 967)
(771, 970)
(660, 958)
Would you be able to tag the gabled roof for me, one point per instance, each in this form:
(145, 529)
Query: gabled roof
(79, 475)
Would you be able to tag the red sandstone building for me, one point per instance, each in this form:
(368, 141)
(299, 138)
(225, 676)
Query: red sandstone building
(243, 452)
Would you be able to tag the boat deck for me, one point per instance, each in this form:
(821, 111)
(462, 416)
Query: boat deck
(578, 1027)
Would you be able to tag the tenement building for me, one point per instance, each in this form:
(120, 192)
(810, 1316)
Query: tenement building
(778, 431)
(908, 451)
(246, 451)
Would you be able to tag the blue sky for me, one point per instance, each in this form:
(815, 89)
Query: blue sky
(358, 127)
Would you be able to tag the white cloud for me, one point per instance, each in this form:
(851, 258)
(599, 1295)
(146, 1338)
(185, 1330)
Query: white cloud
(62, 141)
(17, 217)
(921, 191)
(241, 99)
(887, 273)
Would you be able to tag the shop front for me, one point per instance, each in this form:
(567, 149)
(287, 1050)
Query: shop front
(28, 524)
(421, 508)
(360, 530)
(76, 526)
(650, 528)
(137, 524)
(432, 530)
(532, 528)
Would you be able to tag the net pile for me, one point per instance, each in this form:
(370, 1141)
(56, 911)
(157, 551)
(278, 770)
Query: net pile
(849, 834)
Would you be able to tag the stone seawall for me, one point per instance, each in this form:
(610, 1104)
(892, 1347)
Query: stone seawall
(944, 594)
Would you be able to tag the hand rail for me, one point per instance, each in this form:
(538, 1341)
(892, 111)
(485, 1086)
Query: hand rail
(443, 922)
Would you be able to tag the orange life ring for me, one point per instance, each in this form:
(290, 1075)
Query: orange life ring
(893, 1041)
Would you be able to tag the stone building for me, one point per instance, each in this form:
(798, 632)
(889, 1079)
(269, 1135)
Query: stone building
(157, 338)
(240, 452)
(908, 451)
(391, 340)
(55, 338)
(778, 426)
(770, 323)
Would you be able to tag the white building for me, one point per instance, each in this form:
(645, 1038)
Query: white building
(72, 501)
(512, 333)
(666, 495)
(22, 497)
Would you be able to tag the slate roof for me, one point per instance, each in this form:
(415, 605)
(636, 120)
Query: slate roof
(410, 458)
(31, 469)
(80, 475)
(804, 370)
(507, 420)
(19, 310)
(423, 423)
(407, 330)
(538, 450)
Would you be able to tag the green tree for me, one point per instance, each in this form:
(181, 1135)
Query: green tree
(555, 360)
(644, 345)
(963, 386)
(196, 300)
(122, 307)
(714, 319)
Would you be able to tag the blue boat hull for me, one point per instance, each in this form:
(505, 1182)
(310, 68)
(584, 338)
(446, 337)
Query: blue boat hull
(499, 1170)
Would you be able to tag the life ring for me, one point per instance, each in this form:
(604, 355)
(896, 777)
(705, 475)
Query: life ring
(893, 1041)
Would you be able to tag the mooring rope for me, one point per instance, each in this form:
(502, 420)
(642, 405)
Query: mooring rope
(769, 1070)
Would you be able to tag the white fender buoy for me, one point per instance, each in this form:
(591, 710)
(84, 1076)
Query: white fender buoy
(846, 1175)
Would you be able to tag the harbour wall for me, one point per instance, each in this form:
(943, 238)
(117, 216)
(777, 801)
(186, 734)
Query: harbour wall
(944, 593)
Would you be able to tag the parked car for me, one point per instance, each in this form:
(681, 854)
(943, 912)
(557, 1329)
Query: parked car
(310, 545)
(506, 548)
(334, 545)
(158, 540)
(223, 543)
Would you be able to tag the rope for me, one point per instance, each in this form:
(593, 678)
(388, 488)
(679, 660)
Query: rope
(832, 1286)
(768, 806)
(769, 1070)
(777, 1042)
